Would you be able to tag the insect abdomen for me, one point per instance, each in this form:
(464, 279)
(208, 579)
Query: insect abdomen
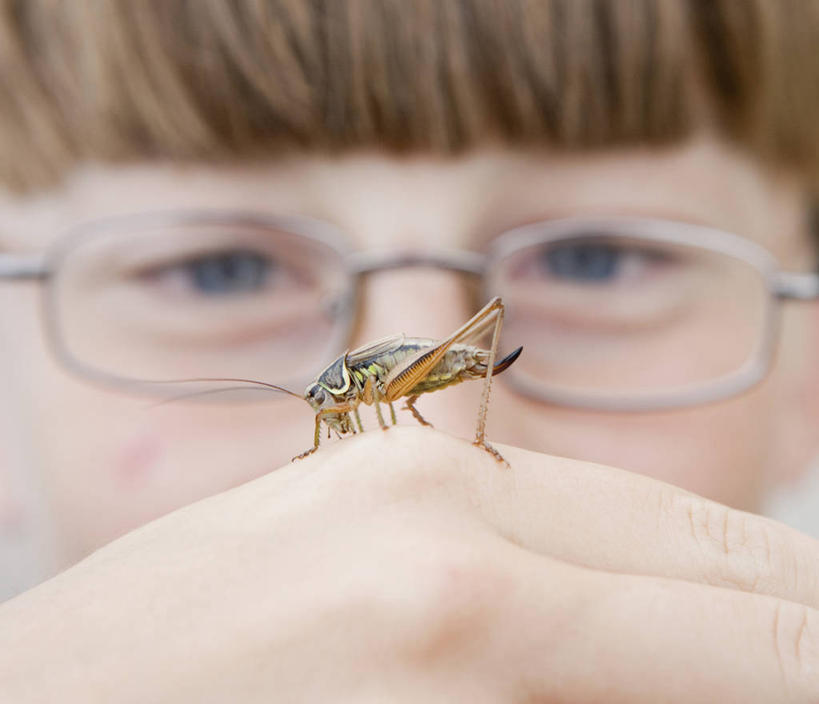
(460, 363)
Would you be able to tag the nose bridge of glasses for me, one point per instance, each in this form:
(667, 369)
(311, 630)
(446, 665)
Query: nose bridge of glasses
(23, 266)
(461, 261)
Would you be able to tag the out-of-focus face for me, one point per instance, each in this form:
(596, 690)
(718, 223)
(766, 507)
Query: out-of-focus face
(107, 462)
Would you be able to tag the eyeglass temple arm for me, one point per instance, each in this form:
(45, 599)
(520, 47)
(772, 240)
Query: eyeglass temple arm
(22, 267)
(791, 285)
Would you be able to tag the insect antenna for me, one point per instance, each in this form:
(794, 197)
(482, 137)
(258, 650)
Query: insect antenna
(255, 386)
(237, 380)
(208, 392)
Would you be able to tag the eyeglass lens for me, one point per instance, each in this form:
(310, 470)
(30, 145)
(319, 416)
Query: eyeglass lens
(614, 315)
(199, 300)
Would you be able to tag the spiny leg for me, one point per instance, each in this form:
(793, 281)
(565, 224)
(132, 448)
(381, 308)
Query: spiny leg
(316, 440)
(492, 451)
(480, 430)
(406, 375)
(409, 404)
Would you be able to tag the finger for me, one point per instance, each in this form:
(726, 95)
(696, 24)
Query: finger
(618, 521)
(586, 636)
(592, 515)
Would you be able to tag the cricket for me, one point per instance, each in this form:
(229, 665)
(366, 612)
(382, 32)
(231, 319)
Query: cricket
(395, 367)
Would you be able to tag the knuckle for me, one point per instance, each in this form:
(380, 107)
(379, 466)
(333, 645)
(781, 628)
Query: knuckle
(795, 645)
(741, 550)
(419, 596)
(450, 601)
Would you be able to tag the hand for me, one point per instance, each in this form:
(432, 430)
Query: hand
(412, 567)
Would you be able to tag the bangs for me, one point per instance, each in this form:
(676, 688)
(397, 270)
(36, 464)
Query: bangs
(212, 80)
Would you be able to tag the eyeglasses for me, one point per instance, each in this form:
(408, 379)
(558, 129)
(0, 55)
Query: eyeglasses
(612, 313)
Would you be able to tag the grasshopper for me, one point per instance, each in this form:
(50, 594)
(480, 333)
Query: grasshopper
(405, 367)
(400, 367)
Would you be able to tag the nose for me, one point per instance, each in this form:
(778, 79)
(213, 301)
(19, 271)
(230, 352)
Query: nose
(419, 302)
(423, 303)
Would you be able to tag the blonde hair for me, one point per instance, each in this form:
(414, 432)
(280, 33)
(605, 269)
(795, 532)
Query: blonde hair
(125, 80)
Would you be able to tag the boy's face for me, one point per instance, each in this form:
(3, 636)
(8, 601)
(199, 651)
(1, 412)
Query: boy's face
(106, 462)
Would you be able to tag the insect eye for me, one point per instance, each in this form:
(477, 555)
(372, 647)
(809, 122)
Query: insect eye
(316, 394)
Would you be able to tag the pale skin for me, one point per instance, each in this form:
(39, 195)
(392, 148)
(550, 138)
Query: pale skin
(407, 564)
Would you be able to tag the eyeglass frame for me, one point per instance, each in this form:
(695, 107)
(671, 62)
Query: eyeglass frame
(780, 285)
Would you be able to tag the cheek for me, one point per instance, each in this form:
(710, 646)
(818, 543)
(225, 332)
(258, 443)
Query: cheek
(118, 462)
(104, 463)
(720, 451)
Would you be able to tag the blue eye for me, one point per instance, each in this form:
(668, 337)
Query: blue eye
(228, 273)
(585, 262)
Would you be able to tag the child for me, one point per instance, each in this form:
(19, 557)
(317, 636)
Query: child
(190, 188)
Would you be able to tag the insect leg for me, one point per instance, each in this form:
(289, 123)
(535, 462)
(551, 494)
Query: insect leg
(392, 413)
(377, 404)
(371, 395)
(409, 404)
(480, 430)
(358, 420)
(316, 440)
(406, 375)
(317, 432)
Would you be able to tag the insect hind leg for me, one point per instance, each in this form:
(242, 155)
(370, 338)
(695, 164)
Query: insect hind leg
(491, 450)
(495, 314)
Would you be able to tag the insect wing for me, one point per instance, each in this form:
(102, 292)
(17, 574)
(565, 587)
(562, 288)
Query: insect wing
(370, 351)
